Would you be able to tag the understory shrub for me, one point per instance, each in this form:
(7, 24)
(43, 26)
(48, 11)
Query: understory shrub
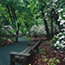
(5, 32)
(51, 61)
(58, 40)
(37, 30)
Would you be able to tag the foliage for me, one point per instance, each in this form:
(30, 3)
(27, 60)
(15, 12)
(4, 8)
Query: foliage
(37, 30)
(21, 15)
(52, 61)
(41, 51)
(8, 31)
(58, 41)
(29, 64)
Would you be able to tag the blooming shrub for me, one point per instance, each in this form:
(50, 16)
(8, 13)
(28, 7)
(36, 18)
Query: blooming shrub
(37, 30)
(59, 39)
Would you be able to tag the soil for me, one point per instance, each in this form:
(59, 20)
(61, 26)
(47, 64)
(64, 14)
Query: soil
(8, 42)
(49, 53)
(39, 38)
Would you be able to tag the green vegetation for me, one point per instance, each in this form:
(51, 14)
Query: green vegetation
(42, 51)
(52, 61)
(30, 18)
(58, 41)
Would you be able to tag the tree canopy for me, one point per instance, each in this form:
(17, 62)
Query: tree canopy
(21, 15)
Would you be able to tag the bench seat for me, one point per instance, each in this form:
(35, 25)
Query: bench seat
(25, 53)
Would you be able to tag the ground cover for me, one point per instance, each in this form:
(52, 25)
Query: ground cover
(48, 55)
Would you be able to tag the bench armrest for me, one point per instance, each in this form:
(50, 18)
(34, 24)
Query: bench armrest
(38, 43)
(19, 54)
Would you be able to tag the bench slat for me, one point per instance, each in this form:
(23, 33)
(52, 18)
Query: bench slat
(35, 45)
(20, 54)
(25, 53)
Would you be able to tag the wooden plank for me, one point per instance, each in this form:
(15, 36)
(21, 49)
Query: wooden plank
(35, 45)
(19, 57)
(32, 47)
(25, 52)
(19, 54)
(12, 60)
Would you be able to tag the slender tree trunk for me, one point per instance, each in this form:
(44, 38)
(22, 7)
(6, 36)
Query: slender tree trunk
(46, 25)
(45, 21)
(52, 33)
(57, 22)
(13, 13)
(9, 13)
(16, 23)
(13, 19)
(14, 16)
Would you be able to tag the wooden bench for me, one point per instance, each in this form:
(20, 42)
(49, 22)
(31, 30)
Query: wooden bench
(24, 56)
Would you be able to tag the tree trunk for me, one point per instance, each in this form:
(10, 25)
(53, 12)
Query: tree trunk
(46, 25)
(9, 13)
(52, 33)
(57, 22)
(16, 23)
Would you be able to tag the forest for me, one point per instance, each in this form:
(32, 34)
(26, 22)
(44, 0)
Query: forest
(42, 20)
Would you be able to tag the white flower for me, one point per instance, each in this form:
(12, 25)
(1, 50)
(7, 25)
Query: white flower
(63, 41)
(57, 47)
(57, 42)
(57, 35)
(60, 33)
(62, 22)
(55, 0)
(60, 17)
(62, 37)
(6, 26)
(63, 25)
(60, 10)
(64, 15)
(62, 45)
(64, 32)
(45, 13)
(62, 29)
(53, 4)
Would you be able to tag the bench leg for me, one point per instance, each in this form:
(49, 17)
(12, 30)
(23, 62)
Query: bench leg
(37, 49)
(12, 62)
